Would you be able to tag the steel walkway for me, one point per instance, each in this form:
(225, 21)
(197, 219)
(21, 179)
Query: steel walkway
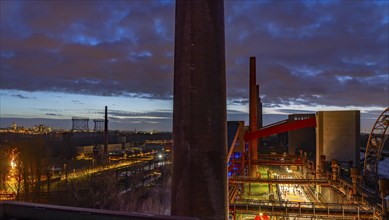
(324, 210)
(244, 179)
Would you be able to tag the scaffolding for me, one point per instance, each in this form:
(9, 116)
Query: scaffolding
(99, 125)
(80, 124)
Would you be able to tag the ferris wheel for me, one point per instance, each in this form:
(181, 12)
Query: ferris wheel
(375, 143)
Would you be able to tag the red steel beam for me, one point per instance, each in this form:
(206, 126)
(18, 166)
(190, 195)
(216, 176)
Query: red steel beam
(278, 163)
(280, 128)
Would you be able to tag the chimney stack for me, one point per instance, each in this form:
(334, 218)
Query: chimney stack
(106, 132)
(199, 183)
(253, 144)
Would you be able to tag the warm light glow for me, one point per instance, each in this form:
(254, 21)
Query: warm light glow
(13, 164)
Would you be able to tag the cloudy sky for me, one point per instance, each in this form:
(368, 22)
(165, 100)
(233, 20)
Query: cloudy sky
(61, 59)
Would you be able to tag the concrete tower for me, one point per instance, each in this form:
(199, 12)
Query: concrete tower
(199, 185)
(253, 97)
(338, 136)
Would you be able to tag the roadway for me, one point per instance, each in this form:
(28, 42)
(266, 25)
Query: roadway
(106, 167)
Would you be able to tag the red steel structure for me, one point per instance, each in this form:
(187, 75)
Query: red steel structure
(280, 127)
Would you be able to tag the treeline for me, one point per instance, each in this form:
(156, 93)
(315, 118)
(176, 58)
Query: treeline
(31, 178)
(103, 191)
(27, 162)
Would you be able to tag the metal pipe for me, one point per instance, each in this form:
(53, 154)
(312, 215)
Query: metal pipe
(334, 166)
(354, 177)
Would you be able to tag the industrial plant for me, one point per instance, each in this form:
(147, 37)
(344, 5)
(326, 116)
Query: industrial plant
(321, 176)
(227, 169)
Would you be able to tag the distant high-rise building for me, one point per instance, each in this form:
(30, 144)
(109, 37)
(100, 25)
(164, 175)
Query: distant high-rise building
(42, 129)
(13, 126)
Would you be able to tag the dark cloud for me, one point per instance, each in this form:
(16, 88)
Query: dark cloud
(154, 115)
(95, 47)
(242, 101)
(77, 102)
(52, 114)
(160, 119)
(311, 53)
(51, 110)
(23, 97)
(328, 53)
(294, 111)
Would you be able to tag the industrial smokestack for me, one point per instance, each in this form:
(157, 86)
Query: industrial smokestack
(253, 144)
(199, 185)
(106, 132)
(259, 110)
(259, 115)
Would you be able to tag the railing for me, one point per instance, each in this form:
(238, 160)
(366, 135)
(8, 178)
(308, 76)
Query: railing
(244, 179)
(7, 196)
(247, 206)
(24, 210)
(232, 193)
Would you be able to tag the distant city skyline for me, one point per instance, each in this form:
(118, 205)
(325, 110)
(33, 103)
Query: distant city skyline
(61, 60)
(164, 123)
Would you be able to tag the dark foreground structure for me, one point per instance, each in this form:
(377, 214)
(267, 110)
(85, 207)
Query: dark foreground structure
(30, 211)
(199, 187)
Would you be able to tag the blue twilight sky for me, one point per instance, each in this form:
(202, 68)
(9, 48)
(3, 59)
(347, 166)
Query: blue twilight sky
(61, 59)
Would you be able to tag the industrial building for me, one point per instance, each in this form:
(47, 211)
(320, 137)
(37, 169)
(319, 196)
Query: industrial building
(301, 139)
(338, 136)
(332, 177)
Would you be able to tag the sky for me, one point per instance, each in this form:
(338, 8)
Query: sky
(64, 59)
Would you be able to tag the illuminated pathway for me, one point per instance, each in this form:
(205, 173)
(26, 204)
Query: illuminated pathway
(81, 173)
(292, 193)
(302, 209)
